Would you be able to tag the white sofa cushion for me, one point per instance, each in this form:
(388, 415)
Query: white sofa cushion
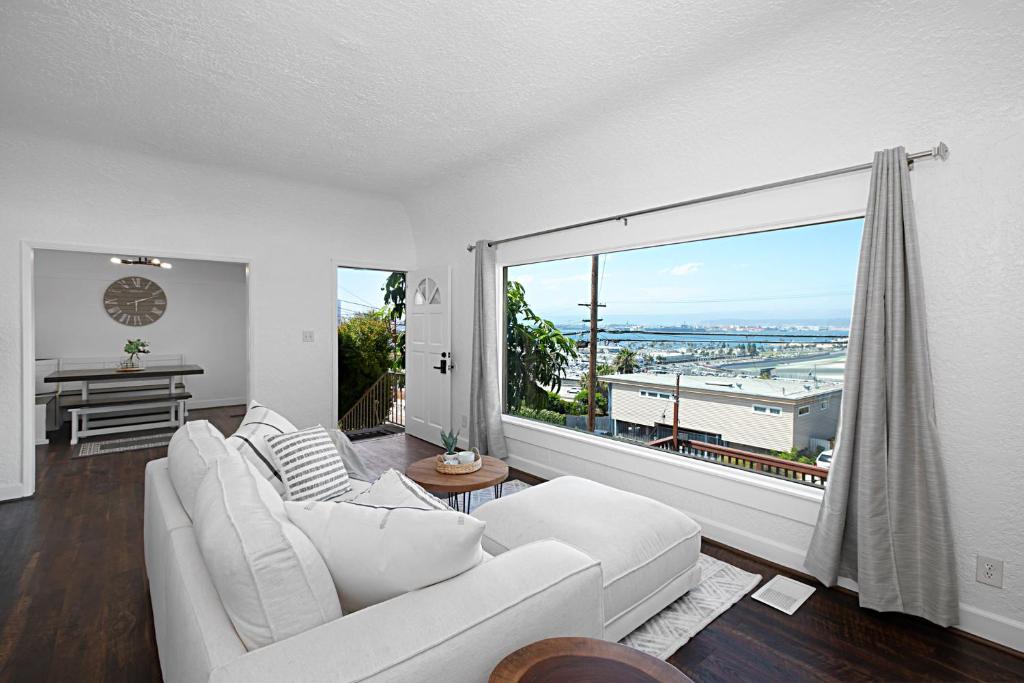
(375, 553)
(394, 489)
(250, 440)
(648, 550)
(191, 451)
(309, 465)
(271, 579)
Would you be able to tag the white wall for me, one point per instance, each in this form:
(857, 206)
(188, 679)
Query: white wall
(205, 317)
(868, 76)
(55, 191)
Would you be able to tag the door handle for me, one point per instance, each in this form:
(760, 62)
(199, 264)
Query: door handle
(443, 367)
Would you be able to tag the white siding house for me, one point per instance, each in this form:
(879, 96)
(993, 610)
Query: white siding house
(767, 415)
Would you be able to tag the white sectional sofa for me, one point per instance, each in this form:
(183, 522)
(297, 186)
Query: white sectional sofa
(455, 631)
(620, 559)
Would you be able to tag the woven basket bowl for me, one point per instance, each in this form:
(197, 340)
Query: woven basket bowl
(469, 467)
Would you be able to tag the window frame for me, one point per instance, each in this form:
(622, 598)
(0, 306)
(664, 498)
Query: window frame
(774, 411)
(647, 393)
(504, 263)
(803, 410)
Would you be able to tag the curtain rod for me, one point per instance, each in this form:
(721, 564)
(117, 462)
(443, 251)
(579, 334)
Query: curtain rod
(941, 151)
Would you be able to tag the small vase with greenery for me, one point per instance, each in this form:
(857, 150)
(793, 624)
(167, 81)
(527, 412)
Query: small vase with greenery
(450, 441)
(135, 348)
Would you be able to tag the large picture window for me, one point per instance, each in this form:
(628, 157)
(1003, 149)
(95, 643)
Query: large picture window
(708, 349)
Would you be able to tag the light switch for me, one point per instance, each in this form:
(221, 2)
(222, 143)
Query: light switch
(307, 336)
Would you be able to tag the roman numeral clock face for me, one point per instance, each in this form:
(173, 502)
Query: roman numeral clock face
(135, 301)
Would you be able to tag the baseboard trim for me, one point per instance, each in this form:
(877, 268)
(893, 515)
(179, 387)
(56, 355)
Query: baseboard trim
(992, 628)
(12, 492)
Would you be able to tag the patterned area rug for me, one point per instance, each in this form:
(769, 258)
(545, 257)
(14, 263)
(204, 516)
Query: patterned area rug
(722, 586)
(132, 443)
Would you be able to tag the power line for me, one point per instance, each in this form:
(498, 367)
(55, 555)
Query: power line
(356, 303)
(361, 299)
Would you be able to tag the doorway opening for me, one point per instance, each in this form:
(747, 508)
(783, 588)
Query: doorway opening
(118, 349)
(370, 307)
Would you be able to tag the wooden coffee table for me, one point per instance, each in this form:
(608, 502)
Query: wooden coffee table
(586, 660)
(493, 472)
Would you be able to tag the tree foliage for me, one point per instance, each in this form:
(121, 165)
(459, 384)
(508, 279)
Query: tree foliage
(365, 352)
(549, 416)
(626, 362)
(394, 305)
(537, 352)
(600, 399)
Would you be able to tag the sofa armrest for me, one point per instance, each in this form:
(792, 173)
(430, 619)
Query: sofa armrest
(457, 630)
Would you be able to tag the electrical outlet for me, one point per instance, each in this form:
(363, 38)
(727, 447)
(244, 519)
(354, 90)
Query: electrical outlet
(990, 571)
(465, 421)
(307, 336)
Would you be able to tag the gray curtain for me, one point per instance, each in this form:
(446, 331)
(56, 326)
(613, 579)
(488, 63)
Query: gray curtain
(884, 521)
(485, 430)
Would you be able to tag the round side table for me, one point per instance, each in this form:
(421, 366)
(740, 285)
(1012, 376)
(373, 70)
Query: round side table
(584, 660)
(493, 472)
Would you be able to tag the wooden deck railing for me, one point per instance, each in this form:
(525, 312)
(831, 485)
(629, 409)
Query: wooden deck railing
(766, 464)
(382, 404)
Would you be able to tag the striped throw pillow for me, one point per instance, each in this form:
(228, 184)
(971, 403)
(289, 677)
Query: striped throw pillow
(258, 423)
(310, 465)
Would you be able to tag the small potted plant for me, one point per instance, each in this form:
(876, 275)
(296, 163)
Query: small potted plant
(135, 348)
(454, 462)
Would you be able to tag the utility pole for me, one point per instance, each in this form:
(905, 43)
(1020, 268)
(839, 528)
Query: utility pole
(675, 417)
(592, 394)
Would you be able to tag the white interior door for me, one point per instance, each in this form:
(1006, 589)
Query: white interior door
(428, 389)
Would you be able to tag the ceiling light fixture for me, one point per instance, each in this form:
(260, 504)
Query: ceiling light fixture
(140, 261)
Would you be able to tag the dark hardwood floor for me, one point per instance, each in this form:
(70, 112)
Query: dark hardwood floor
(74, 605)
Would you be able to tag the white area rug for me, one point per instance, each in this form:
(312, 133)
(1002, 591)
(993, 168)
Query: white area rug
(132, 443)
(722, 586)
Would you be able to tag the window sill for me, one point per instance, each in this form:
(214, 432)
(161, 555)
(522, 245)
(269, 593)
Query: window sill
(779, 486)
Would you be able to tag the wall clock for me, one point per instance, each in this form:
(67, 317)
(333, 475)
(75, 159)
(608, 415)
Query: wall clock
(135, 301)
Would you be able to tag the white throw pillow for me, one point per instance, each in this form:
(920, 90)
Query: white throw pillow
(376, 553)
(250, 440)
(272, 581)
(191, 451)
(394, 489)
(309, 465)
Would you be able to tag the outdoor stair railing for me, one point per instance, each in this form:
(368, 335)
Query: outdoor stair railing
(382, 404)
(766, 464)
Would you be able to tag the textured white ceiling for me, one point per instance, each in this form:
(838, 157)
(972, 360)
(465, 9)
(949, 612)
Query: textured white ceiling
(385, 96)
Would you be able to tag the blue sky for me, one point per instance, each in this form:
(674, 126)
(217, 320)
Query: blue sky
(359, 290)
(793, 274)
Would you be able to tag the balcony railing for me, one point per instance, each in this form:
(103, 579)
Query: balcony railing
(380, 406)
(764, 464)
